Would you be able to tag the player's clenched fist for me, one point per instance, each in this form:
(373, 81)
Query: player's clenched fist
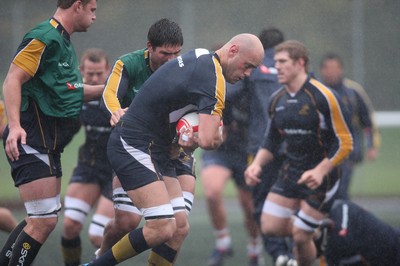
(252, 174)
(116, 116)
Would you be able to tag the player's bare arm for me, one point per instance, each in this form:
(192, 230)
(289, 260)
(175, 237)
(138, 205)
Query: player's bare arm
(253, 171)
(313, 178)
(12, 99)
(92, 92)
(116, 116)
(210, 136)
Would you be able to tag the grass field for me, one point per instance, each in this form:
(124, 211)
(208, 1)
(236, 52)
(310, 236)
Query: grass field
(375, 186)
(200, 241)
(378, 178)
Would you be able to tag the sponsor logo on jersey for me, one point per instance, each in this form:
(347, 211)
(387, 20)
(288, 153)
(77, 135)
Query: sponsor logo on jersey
(297, 131)
(63, 64)
(268, 70)
(304, 109)
(180, 61)
(74, 86)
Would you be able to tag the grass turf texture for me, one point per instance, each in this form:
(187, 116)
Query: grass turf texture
(378, 178)
(374, 180)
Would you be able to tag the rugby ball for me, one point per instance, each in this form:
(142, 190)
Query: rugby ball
(191, 120)
(188, 120)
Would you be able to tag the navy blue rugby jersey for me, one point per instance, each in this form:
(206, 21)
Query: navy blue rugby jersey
(193, 81)
(312, 124)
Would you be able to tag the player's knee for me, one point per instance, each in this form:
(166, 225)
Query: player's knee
(275, 219)
(181, 217)
(43, 226)
(266, 228)
(213, 194)
(96, 228)
(96, 240)
(127, 216)
(126, 221)
(303, 227)
(167, 229)
(43, 214)
(182, 225)
(301, 237)
(71, 228)
(160, 221)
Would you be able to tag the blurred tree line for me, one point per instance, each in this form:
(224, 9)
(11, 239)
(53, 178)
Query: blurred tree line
(364, 32)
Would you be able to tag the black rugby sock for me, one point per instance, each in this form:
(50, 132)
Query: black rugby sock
(6, 251)
(71, 250)
(129, 246)
(162, 255)
(25, 250)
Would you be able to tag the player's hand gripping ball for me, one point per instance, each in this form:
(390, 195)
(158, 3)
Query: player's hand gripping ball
(187, 121)
(190, 120)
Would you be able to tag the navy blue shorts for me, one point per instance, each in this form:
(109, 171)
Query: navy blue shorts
(93, 167)
(33, 165)
(91, 175)
(320, 198)
(136, 161)
(236, 161)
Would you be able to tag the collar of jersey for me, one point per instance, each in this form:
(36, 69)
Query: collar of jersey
(57, 25)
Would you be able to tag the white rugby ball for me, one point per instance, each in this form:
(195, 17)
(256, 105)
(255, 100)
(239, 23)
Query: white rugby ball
(188, 120)
(191, 120)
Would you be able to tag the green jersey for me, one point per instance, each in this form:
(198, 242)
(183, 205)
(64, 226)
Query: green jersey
(46, 53)
(127, 76)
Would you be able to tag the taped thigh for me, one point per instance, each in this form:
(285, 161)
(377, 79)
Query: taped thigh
(76, 209)
(164, 211)
(122, 201)
(178, 204)
(306, 222)
(43, 208)
(274, 209)
(97, 225)
(189, 198)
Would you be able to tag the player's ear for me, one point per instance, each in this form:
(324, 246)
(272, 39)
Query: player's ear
(149, 46)
(233, 50)
(301, 62)
(77, 5)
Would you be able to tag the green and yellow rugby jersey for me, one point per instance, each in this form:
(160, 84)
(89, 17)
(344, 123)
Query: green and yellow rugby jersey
(128, 74)
(47, 55)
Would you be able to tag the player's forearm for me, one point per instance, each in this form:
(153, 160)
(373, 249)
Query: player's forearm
(12, 101)
(325, 166)
(92, 92)
(210, 142)
(263, 157)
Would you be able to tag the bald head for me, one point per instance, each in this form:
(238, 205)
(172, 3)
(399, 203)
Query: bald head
(240, 55)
